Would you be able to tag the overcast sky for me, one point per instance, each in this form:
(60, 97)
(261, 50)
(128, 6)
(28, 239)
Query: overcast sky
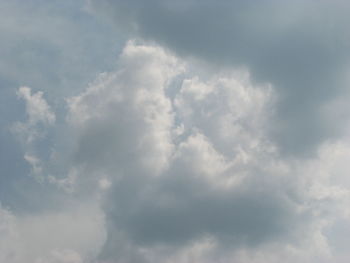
(164, 131)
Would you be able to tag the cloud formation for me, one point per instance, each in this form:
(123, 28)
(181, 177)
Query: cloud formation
(169, 165)
(191, 168)
(301, 47)
(214, 136)
(38, 113)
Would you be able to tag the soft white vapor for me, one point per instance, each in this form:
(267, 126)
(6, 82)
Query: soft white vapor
(170, 163)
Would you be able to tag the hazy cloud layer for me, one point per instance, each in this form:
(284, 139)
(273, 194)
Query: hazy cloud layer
(72, 235)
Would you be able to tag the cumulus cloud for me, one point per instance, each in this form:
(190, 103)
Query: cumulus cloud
(191, 171)
(301, 47)
(142, 116)
(192, 149)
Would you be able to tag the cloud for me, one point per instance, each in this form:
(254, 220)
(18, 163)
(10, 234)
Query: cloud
(192, 173)
(64, 256)
(34, 162)
(39, 118)
(76, 235)
(36, 107)
(9, 238)
(134, 99)
(301, 47)
(38, 113)
(169, 158)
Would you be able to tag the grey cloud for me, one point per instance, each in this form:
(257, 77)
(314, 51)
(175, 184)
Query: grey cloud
(179, 209)
(167, 165)
(175, 179)
(301, 47)
(167, 158)
(76, 235)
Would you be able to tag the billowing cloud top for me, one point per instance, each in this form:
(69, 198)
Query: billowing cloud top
(299, 46)
(215, 136)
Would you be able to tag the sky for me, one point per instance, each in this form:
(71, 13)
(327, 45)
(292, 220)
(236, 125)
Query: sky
(161, 131)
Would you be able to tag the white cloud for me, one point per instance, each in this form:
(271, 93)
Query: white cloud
(177, 167)
(73, 235)
(301, 47)
(10, 241)
(39, 118)
(38, 114)
(127, 114)
(37, 109)
(61, 256)
(219, 177)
